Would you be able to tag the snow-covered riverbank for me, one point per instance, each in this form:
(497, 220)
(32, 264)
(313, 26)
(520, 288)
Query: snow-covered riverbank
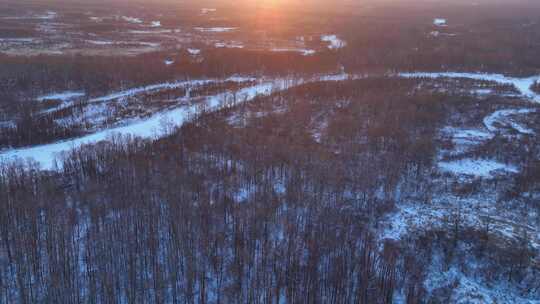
(156, 125)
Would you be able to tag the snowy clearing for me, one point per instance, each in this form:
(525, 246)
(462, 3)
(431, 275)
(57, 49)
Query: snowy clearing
(475, 167)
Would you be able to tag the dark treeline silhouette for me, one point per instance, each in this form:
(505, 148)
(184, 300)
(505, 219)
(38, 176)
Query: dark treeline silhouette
(97, 75)
(30, 127)
(245, 205)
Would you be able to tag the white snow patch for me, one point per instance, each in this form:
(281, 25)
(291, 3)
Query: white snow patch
(123, 43)
(168, 62)
(64, 96)
(17, 40)
(475, 167)
(48, 15)
(157, 31)
(467, 136)
(155, 24)
(194, 52)
(100, 42)
(334, 42)
(215, 29)
(150, 44)
(439, 22)
(132, 20)
(96, 19)
(482, 92)
(229, 45)
(305, 52)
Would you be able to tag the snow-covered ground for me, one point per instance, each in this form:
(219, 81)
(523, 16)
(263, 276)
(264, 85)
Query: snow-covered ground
(123, 43)
(156, 125)
(476, 167)
(476, 208)
(467, 136)
(229, 45)
(215, 29)
(48, 15)
(466, 288)
(155, 87)
(504, 118)
(64, 96)
(17, 40)
(100, 42)
(523, 85)
(305, 52)
(150, 32)
(193, 51)
(465, 139)
(132, 20)
(439, 21)
(333, 41)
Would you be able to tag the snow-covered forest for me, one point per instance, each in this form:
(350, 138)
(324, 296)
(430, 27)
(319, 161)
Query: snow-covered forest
(273, 153)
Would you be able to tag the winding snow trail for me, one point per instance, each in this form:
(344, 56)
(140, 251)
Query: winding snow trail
(502, 117)
(155, 126)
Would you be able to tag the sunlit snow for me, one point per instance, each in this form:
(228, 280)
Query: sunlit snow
(334, 41)
(439, 22)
